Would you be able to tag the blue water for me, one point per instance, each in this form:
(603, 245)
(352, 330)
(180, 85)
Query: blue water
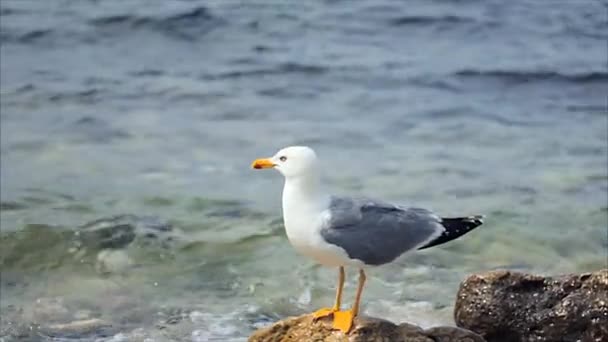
(157, 108)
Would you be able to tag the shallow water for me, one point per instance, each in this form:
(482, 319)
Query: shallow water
(156, 111)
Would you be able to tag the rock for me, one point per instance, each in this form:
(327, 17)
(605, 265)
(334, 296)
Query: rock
(505, 306)
(303, 328)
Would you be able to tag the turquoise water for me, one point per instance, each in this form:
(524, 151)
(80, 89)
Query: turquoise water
(157, 111)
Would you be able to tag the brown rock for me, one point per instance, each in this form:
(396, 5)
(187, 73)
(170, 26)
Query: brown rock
(505, 306)
(365, 329)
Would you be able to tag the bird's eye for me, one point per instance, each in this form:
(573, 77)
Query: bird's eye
(282, 158)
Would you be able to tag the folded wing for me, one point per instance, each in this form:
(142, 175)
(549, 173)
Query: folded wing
(377, 232)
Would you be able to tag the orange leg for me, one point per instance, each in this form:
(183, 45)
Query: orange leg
(330, 311)
(343, 320)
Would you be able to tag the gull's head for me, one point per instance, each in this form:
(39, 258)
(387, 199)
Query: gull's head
(293, 161)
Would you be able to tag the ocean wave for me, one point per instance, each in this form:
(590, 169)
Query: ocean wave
(517, 76)
(284, 68)
(8, 35)
(85, 96)
(188, 25)
(5, 11)
(147, 73)
(590, 109)
(89, 129)
(428, 20)
(196, 14)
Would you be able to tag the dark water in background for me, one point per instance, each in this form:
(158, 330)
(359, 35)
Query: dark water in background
(157, 108)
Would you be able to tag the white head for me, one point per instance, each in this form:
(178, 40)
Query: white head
(292, 162)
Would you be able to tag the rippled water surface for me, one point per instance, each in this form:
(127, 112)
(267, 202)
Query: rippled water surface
(128, 128)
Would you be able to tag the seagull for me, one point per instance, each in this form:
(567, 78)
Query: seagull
(344, 232)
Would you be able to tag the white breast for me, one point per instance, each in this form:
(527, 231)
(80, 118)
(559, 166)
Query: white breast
(303, 216)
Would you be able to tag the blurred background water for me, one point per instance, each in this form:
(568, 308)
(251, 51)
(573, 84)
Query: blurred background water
(128, 128)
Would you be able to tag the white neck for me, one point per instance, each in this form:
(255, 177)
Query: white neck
(303, 195)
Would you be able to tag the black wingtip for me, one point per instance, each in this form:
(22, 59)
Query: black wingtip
(455, 228)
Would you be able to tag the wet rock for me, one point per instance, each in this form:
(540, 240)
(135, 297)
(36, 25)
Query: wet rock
(505, 306)
(303, 328)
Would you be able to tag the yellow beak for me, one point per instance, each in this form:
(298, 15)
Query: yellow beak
(263, 163)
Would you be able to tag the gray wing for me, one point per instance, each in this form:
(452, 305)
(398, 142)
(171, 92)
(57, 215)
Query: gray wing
(377, 232)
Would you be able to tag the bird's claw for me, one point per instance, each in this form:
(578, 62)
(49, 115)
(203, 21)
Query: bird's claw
(343, 320)
(324, 312)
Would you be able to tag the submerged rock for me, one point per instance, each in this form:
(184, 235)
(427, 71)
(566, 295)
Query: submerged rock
(505, 306)
(122, 230)
(112, 261)
(303, 328)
